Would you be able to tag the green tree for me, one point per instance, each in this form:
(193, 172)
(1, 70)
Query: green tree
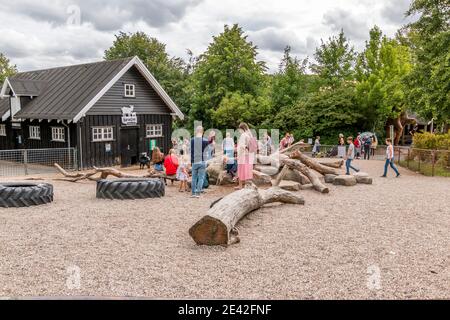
(171, 72)
(326, 112)
(6, 68)
(290, 83)
(381, 70)
(335, 60)
(429, 81)
(228, 66)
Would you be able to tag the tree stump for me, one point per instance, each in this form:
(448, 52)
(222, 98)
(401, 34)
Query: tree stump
(218, 226)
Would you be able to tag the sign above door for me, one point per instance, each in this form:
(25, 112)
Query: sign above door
(129, 117)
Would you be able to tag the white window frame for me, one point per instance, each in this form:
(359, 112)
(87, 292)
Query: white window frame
(58, 134)
(102, 134)
(154, 130)
(129, 90)
(35, 132)
(2, 130)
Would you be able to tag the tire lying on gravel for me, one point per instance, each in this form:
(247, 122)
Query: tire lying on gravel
(130, 189)
(16, 195)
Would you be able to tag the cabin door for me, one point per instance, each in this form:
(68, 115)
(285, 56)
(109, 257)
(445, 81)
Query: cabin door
(129, 146)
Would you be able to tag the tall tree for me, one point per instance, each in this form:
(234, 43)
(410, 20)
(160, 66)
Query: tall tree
(429, 81)
(381, 69)
(335, 60)
(6, 68)
(290, 83)
(228, 67)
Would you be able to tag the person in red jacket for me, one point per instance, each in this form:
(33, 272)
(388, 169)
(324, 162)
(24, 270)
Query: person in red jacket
(171, 163)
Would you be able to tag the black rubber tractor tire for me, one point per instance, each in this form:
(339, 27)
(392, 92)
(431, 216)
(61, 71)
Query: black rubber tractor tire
(16, 194)
(130, 189)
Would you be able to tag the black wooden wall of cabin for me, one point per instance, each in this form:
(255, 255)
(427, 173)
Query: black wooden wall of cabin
(94, 153)
(45, 141)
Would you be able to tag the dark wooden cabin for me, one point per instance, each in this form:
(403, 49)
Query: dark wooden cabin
(110, 111)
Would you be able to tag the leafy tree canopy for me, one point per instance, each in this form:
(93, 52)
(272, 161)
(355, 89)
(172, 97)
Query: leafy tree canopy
(6, 68)
(228, 66)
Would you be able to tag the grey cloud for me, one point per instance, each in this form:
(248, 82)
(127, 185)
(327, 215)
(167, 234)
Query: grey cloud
(277, 39)
(395, 10)
(259, 23)
(354, 27)
(105, 15)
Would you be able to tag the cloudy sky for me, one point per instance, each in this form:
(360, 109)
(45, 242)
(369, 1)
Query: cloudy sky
(47, 33)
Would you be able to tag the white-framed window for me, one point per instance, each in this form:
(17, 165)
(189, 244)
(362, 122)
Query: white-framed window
(58, 134)
(100, 134)
(154, 130)
(2, 130)
(35, 132)
(129, 90)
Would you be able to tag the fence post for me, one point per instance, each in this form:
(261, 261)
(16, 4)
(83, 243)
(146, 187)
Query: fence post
(420, 158)
(25, 161)
(409, 156)
(75, 159)
(433, 158)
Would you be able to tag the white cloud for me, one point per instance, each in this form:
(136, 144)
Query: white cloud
(35, 34)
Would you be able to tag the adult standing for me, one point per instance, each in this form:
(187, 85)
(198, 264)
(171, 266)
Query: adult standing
(246, 152)
(374, 145)
(367, 147)
(341, 146)
(198, 158)
(358, 145)
(316, 148)
(266, 145)
(390, 159)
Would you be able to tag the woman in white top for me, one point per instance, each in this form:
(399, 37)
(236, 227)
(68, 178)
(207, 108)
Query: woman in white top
(389, 159)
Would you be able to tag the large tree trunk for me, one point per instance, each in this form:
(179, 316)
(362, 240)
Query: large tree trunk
(399, 124)
(297, 165)
(313, 164)
(218, 226)
(335, 164)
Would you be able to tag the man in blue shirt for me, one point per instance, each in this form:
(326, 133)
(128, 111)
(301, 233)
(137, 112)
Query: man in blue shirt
(198, 157)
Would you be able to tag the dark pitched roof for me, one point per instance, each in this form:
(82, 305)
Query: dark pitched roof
(24, 87)
(66, 90)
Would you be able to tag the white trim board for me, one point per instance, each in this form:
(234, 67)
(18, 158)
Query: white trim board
(147, 75)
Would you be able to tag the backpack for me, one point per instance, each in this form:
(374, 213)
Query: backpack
(253, 145)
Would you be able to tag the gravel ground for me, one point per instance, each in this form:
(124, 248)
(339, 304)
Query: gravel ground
(334, 247)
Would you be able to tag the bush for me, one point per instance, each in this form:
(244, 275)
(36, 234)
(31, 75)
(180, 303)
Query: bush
(432, 141)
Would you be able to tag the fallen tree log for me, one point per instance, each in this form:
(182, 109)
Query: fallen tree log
(335, 164)
(218, 226)
(312, 176)
(103, 172)
(75, 177)
(295, 147)
(313, 164)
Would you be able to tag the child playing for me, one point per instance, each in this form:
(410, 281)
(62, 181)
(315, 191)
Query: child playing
(182, 172)
(350, 156)
(390, 159)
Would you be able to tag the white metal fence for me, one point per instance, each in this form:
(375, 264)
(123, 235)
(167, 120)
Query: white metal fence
(36, 161)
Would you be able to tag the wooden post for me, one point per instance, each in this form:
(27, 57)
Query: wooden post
(25, 161)
(433, 158)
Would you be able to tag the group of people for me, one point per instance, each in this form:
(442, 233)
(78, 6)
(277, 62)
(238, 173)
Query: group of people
(364, 146)
(238, 159)
(352, 152)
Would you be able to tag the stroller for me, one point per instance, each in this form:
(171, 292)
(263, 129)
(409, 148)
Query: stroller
(332, 153)
(144, 160)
